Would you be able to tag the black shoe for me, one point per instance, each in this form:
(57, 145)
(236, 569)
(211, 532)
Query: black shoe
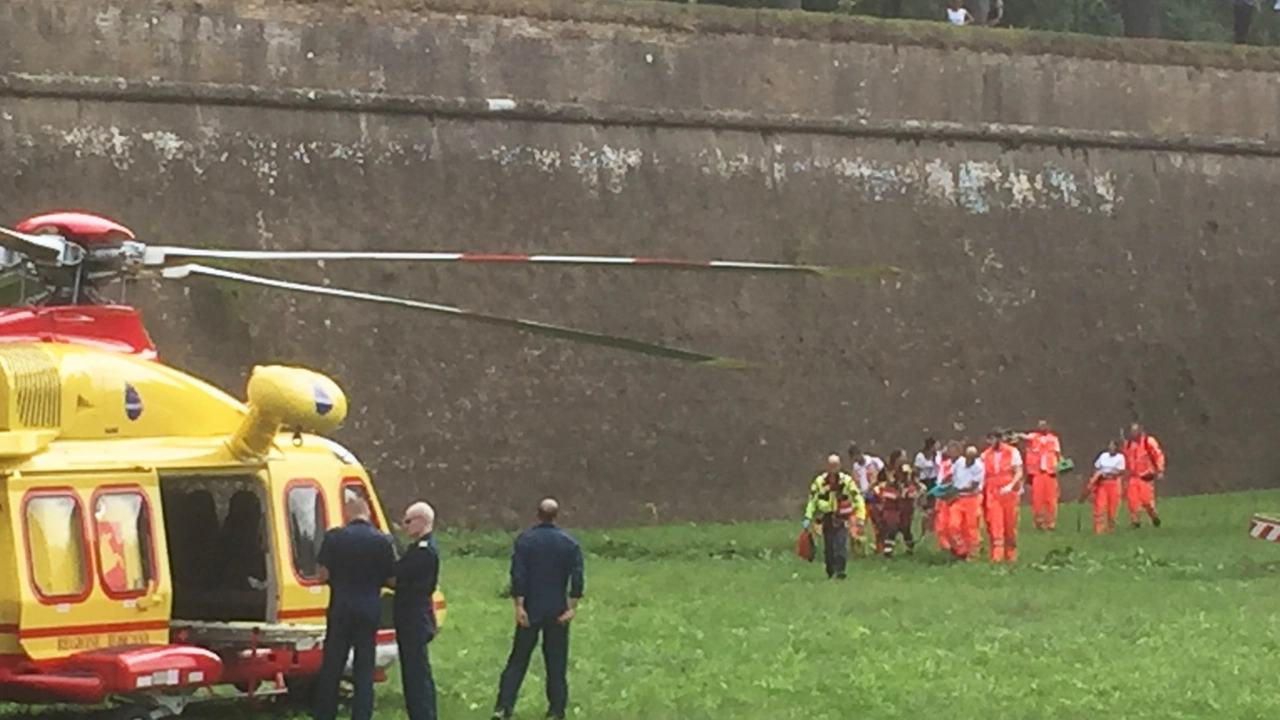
(500, 714)
(1137, 525)
(1155, 521)
(841, 576)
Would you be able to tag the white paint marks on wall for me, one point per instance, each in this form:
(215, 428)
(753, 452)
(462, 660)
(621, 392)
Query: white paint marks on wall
(974, 187)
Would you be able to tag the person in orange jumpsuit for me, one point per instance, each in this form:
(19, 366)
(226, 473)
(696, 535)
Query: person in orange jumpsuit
(968, 477)
(1144, 463)
(1044, 450)
(1004, 473)
(942, 506)
(1109, 468)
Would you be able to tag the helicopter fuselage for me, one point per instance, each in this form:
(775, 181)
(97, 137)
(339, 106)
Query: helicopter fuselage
(160, 535)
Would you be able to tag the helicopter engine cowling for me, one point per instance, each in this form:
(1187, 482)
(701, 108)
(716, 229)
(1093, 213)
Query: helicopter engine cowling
(286, 397)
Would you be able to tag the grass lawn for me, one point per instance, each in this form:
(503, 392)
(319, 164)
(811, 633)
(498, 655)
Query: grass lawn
(725, 622)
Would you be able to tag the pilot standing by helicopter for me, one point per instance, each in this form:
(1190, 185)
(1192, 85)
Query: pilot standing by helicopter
(417, 573)
(356, 560)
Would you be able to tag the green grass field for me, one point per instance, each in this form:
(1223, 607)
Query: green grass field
(726, 622)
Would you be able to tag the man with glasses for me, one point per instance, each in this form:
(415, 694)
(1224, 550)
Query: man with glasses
(417, 572)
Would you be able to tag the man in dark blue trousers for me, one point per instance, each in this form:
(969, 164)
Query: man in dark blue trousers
(545, 562)
(356, 561)
(417, 573)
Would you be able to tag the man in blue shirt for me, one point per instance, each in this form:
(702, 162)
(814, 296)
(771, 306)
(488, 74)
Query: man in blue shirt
(356, 561)
(544, 563)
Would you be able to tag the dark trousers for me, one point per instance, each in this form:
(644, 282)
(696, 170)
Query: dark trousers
(343, 632)
(835, 545)
(896, 519)
(413, 642)
(555, 653)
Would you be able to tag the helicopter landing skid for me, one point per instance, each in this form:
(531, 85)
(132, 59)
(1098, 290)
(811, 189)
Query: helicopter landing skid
(157, 707)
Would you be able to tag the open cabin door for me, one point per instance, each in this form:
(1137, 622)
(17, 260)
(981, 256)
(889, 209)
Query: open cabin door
(93, 569)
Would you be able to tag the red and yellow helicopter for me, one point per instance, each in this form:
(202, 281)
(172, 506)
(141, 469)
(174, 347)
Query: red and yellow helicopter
(159, 536)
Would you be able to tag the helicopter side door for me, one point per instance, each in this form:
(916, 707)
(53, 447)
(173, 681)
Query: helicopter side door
(92, 563)
(306, 503)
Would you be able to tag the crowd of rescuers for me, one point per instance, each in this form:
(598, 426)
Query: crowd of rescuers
(960, 490)
(357, 561)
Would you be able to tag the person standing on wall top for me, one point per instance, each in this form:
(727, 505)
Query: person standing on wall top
(356, 560)
(417, 574)
(1144, 463)
(834, 503)
(544, 563)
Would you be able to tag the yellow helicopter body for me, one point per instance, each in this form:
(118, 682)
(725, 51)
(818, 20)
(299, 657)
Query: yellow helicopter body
(154, 528)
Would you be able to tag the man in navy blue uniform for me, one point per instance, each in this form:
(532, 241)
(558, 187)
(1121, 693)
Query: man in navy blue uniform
(417, 573)
(356, 561)
(545, 562)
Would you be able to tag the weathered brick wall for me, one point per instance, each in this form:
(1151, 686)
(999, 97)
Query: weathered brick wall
(1117, 263)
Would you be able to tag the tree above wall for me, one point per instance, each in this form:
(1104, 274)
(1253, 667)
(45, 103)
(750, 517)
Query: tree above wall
(1196, 20)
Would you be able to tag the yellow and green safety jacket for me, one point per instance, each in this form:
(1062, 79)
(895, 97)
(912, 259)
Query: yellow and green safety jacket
(823, 501)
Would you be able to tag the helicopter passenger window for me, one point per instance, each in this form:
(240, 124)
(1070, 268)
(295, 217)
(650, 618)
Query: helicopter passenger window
(123, 524)
(308, 522)
(56, 546)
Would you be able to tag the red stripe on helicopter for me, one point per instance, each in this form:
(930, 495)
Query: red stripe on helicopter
(301, 613)
(63, 630)
(8, 629)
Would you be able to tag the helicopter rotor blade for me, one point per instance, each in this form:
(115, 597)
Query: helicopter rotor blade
(158, 255)
(530, 326)
(45, 247)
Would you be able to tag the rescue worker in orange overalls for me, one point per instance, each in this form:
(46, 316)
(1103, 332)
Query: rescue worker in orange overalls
(834, 502)
(1002, 464)
(942, 505)
(1104, 485)
(896, 494)
(968, 478)
(1144, 463)
(1044, 450)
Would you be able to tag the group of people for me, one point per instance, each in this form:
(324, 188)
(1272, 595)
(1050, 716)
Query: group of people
(357, 561)
(959, 489)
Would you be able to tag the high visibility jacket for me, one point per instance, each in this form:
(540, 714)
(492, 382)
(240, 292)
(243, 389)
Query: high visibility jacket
(844, 499)
(1044, 449)
(1143, 457)
(944, 469)
(998, 463)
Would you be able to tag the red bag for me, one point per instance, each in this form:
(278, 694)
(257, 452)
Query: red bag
(804, 546)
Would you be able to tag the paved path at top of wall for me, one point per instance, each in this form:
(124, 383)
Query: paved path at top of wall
(642, 55)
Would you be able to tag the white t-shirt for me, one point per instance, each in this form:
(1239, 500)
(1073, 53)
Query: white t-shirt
(928, 466)
(866, 471)
(1110, 464)
(959, 17)
(968, 478)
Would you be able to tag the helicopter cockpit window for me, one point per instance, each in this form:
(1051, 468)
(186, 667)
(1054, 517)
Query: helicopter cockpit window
(308, 522)
(353, 488)
(123, 524)
(56, 543)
